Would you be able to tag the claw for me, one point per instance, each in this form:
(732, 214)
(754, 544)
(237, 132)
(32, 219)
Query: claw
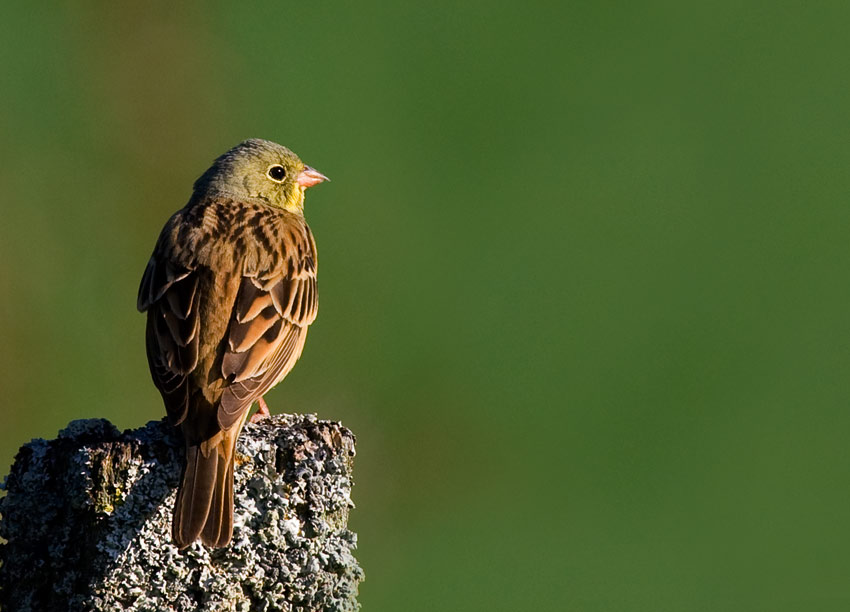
(262, 411)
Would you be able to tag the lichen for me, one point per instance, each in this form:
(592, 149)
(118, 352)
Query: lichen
(87, 523)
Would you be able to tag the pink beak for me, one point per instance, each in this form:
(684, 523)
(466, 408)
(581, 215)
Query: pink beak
(310, 176)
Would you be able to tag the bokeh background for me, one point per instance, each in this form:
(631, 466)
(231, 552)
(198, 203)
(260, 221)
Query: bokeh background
(584, 274)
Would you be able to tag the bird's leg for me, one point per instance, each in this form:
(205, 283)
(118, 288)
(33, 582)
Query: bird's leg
(262, 411)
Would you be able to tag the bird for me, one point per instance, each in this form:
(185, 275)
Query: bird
(229, 292)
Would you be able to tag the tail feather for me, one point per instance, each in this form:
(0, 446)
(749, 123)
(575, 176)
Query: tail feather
(218, 528)
(204, 506)
(194, 496)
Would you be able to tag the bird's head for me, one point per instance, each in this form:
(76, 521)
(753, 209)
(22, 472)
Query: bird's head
(260, 169)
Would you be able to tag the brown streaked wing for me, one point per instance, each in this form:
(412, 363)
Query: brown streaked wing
(269, 326)
(158, 277)
(170, 295)
(239, 396)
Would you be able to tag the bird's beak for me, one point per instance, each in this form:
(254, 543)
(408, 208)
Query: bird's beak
(310, 176)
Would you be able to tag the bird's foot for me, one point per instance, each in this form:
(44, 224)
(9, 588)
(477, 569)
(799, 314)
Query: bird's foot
(262, 411)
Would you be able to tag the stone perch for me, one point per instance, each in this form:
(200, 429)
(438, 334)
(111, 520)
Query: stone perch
(87, 523)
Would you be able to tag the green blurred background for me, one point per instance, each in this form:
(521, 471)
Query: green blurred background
(584, 293)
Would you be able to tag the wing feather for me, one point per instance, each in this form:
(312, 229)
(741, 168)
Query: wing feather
(269, 324)
(169, 295)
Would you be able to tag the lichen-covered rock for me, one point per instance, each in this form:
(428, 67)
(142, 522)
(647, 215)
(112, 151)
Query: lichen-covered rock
(87, 523)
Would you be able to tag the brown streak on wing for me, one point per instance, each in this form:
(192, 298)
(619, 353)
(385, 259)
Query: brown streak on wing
(251, 301)
(159, 276)
(244, 335)
(169, 294)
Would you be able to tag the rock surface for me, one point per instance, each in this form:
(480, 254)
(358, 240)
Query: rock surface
(87, 523)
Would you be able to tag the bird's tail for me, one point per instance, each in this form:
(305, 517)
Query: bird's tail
(204, 506)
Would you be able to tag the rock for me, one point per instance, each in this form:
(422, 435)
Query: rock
(87, 523)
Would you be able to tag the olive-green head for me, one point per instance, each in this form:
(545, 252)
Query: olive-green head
(260, 169)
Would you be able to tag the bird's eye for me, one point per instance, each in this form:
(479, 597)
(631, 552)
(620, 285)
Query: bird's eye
(277, 173)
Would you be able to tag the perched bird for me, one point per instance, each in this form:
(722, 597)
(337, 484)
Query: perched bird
(230, 291)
